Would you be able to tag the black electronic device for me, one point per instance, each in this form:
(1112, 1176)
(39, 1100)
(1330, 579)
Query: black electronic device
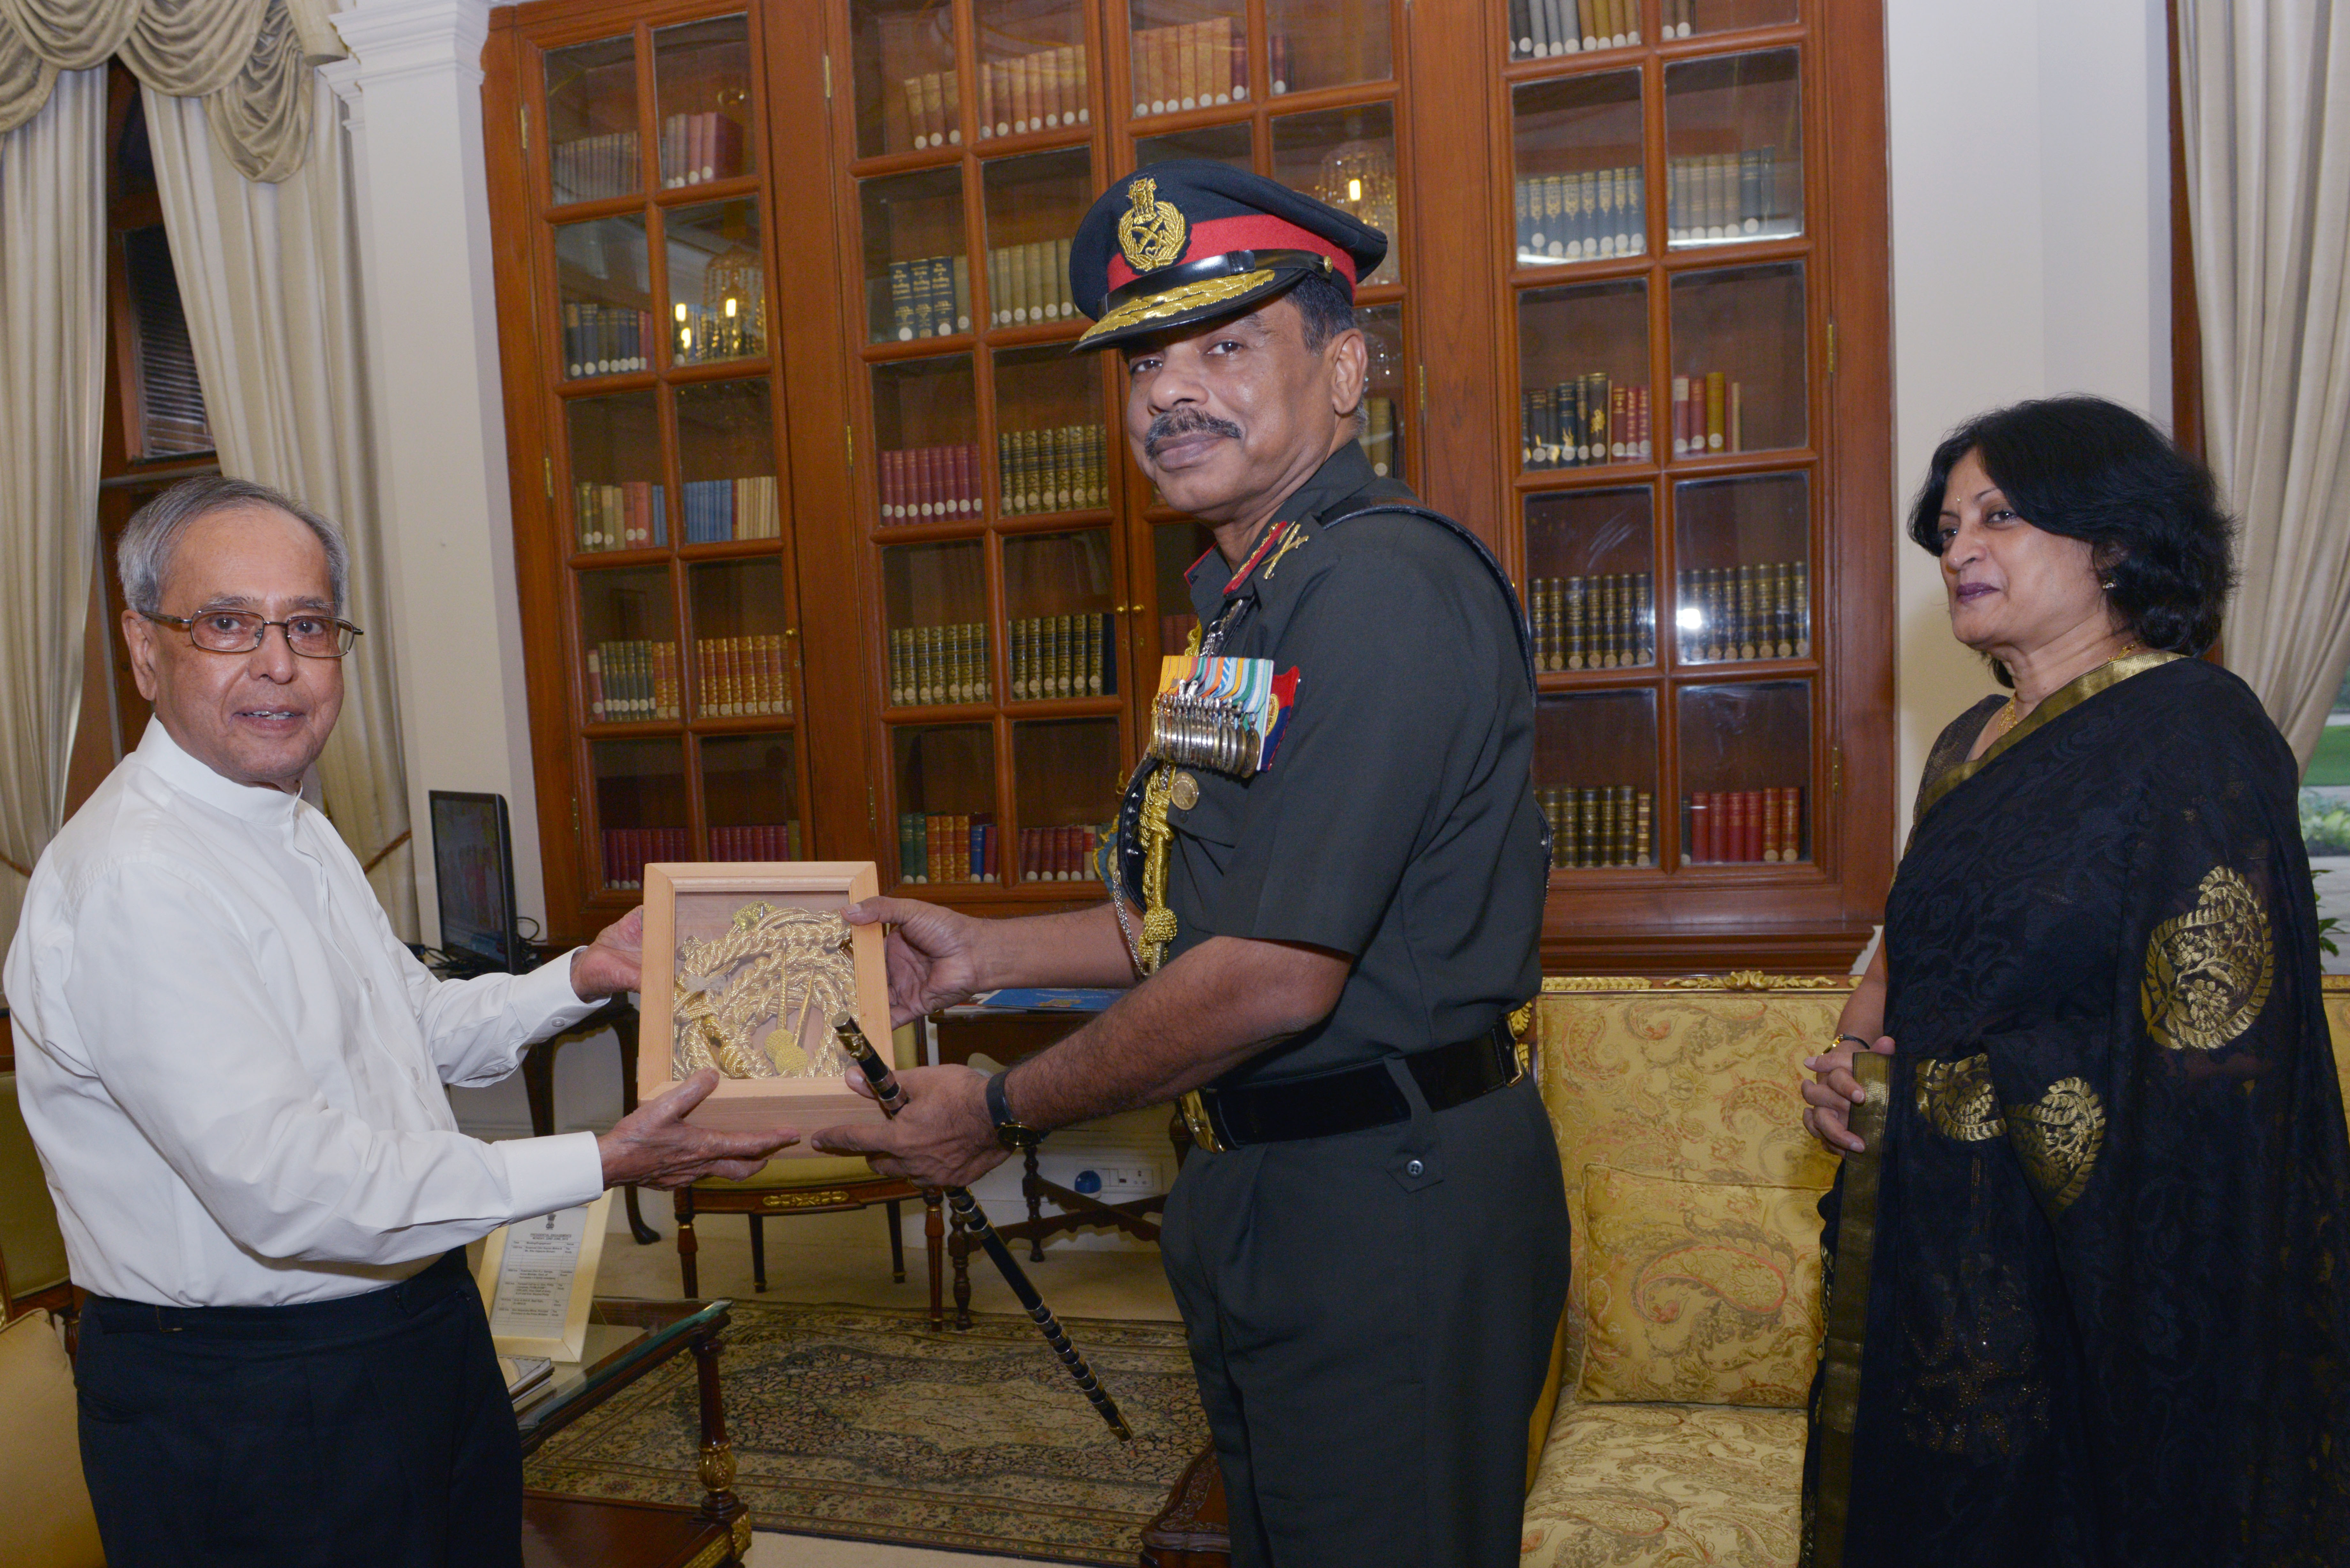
(473, 869)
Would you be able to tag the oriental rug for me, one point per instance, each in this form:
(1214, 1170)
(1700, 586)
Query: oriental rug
(861, 1423)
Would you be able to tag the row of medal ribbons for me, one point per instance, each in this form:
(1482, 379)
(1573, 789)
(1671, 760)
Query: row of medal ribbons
(1221, 714)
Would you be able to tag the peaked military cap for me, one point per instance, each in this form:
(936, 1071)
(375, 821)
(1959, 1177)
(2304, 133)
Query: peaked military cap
(1190, 239)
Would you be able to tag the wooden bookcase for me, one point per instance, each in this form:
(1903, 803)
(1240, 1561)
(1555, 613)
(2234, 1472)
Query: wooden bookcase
(926, 490)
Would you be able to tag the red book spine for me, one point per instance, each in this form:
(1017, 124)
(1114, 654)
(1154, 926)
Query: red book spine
(1702, 834)
(966, 465)
(893, 485)
(1753, 838)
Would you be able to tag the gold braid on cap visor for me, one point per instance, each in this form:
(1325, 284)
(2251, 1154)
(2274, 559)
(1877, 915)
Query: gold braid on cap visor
(1177, 300)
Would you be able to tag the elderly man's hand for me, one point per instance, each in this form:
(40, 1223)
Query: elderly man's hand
(614, 962)
(944, 1136)
(653, 1146)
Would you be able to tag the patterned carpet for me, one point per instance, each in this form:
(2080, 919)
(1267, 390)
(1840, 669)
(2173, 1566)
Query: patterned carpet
(863, 1424)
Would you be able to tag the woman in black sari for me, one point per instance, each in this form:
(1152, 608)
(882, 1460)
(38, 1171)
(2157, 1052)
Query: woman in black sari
(2108, 1318)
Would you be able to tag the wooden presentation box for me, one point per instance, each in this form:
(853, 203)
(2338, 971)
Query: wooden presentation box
(769, 993)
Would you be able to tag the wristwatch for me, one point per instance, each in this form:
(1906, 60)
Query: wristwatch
(1010, 1130)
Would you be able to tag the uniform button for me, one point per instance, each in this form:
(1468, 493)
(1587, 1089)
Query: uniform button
(1413, 1168)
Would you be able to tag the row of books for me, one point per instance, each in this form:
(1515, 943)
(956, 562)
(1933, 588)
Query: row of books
(589, 168)
(935, 665)
(1584, 419)
(939, 847)
(1175, 632)
(1055, 656)
(1052, 469)
(1725, 195)
(631, 681)
(744, 677)
(769, 841)
(1192, 65)
(631, 515)
(1575, 217)
(606, 339)
(1058, 854)
(1604, 622)
(1542, 28)
(627, 850)
(1743, 825)
(709, 333)
(1378, 439)
(930, 296)
(934, 108)
(1042, 90)
(1708, 414)
(1590, 826)
(1756, 612)
(695, 148)
(1029, 283)
(717, 510)
(930, 484)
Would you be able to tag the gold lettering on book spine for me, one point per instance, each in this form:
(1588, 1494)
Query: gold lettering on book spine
(2208, 971)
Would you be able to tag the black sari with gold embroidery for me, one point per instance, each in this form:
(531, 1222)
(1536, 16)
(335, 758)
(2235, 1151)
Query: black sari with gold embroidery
(2108, 1320)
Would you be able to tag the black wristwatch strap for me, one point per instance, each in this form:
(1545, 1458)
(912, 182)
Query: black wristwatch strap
(1010, 1131)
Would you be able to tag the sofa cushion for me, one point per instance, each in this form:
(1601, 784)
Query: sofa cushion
(1642, 1486)
(1700, 1292)
(45, 1516)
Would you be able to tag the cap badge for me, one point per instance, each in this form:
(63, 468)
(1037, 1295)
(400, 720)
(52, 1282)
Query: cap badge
(1151, 234)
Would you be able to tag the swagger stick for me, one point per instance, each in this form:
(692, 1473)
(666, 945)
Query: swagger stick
(1847, 1311)
(892, 1099)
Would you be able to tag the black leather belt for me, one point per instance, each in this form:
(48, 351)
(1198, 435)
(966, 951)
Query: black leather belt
(1352, 1098)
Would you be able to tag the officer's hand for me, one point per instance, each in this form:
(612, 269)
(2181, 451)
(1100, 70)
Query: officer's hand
(934, 954)
(943, 1137)
(611, 963)
(1834, 1091)
(653, 1146)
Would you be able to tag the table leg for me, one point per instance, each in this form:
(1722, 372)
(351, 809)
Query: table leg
(934, 1244)
(896, 1241)
(624, 1028)
(719, 1503)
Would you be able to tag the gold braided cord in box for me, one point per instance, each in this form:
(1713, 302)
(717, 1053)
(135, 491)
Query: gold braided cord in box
(771, 965)
(1177, 300)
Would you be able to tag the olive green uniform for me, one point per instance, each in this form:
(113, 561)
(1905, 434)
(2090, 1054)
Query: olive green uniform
(1371, 1313)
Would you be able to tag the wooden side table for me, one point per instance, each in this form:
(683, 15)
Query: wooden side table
(1194, 1530)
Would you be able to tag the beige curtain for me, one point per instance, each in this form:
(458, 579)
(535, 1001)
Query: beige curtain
(270, 279)
(52, 378)
(2264, 91)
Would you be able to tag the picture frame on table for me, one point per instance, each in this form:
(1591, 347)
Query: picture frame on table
(742, 972)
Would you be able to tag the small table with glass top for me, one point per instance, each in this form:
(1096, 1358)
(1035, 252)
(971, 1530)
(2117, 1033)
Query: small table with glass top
(627, 1339)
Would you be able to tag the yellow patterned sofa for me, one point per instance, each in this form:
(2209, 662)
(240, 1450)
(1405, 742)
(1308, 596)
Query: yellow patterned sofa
(1690, 1082)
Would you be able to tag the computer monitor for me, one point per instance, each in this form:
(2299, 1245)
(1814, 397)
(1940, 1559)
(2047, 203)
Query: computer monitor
(473, 862)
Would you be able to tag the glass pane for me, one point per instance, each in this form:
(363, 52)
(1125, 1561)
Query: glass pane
(628, 628)
(742, 658)
(946, 802)
(701, 71)
(1581, 191)
(1067, 779)
(1033, 73)
(1746, 760)
(1540, 29)
(641, 807)
(726, 459)
(1345, 158)
(1595, 777)
(602, 277)
(1739, 377)
(908, 94)
(618, 500)
(1034, 204)
(717, 284)
(750, 795)
(1734, 149)
(591, 120)
(926, 423)
(1174, 547)
(916, 283)
(1582, 369)
(1315, 44)
(1384, 389)
(1063, 639)
(1591, 587)
(1227, 144)
(1744, 586)
(1187, 53)
(1683, 17)
(935, 598)
(1051, 447)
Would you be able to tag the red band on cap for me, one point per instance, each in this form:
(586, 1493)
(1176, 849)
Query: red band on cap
(1259, 232)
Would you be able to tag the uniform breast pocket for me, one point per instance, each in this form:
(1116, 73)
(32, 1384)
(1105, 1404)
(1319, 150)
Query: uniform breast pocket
(1208, 807)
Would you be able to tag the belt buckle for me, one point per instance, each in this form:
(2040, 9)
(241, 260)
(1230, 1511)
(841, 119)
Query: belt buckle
(1197, 1122)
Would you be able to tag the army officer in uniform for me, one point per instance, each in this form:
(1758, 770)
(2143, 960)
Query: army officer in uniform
(1328, 886)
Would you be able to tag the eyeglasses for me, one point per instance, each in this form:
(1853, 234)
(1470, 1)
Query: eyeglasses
(239, 631)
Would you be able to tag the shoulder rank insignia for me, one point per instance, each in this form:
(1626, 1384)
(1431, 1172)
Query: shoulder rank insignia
(1220, 713)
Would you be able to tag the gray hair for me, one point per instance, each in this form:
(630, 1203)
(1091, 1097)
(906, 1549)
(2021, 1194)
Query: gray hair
(144, 555)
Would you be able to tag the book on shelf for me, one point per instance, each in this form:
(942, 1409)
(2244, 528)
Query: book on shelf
(933, 108)
(717, 510)
(1054, 657)
(1583, 215)
(627, 850)
(1593, 827)
(743, 676)
(1043, 89)
(631, 515)
(1190, 64)
(930, 296)
(766, 841)
(699, 148)
(1708, 414)
(1606, 621)
(631, 681)
(939, 847)
(1744, 825)
(1058, 854)
(1058, 470)
(935, 665)
(1735, 195)
(1755, 611)
(1584, 419)
(929, 484)
(591, 168)
(1378, 438)
(605, 339)
(1028, 283)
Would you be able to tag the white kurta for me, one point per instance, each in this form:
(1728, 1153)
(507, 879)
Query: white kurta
(234, 1069)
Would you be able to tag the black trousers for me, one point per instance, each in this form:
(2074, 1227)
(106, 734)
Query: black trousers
(1371, 1316)
(370, 1430)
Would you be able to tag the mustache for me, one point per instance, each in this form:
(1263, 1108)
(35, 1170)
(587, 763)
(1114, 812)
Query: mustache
(1176, 423)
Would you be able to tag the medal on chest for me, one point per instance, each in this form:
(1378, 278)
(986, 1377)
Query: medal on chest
(1224, 714)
